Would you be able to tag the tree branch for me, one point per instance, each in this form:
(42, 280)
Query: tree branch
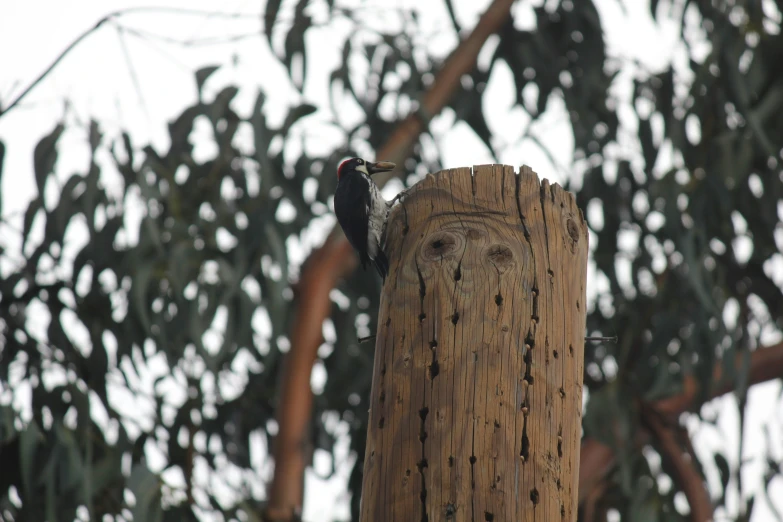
(597, 459)
(686, 476)
(320, 274)
(318, 278)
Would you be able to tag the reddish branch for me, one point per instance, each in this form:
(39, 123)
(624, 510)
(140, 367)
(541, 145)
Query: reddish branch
(318, 279)
(670, 441)
(597, 459)
(319, 275)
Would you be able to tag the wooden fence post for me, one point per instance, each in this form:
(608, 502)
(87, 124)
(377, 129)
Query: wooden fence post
(475, 409)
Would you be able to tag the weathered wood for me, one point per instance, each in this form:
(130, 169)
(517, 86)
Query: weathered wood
(475, 409)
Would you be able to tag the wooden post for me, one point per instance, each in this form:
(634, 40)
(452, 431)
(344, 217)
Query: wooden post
(475, 409)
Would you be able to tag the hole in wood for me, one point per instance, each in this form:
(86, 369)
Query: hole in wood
(422, 316)
(525, 451)
(434, 369)
(498, 299)
(534, 496)
(451, 461)
(381, 423)
(458, 272)
(433, 343)
(489, 517)
(555, 354)
(455, 317)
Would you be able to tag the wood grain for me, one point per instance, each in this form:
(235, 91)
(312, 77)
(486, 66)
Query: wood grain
(477, 387)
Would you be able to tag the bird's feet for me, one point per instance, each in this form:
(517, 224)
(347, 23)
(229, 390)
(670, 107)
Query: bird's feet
(398, 197)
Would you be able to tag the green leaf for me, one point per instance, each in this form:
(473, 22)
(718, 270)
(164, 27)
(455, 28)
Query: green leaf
(272, 7)
(65, 209)
(145, 486)
(28, 444)
(725, 473)
(202, 75)
(139, 291)
(295, 115)
(95, 136)
(453, 15)
(29, 216)
(654, 8)
(45, 156)
(220, 107)
(2, 157)
(295, 44)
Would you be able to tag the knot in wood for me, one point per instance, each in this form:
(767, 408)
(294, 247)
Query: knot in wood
(500, 256)
(441, 244)
(573, 230)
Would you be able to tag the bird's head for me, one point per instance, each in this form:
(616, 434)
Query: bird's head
(366, 167)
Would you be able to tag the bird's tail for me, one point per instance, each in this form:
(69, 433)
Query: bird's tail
(381, 263)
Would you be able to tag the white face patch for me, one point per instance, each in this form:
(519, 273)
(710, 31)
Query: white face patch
(363, 168)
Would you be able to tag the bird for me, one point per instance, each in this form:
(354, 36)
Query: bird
(362, 210)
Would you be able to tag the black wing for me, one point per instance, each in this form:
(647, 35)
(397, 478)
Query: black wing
(352, 206)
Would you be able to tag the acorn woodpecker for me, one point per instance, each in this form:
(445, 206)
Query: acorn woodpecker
(362, 210)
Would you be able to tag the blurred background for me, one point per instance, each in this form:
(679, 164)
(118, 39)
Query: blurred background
(176, 314)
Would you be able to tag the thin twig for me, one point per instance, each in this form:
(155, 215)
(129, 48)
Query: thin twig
(132, 70)
(54, 64)
(111, 16)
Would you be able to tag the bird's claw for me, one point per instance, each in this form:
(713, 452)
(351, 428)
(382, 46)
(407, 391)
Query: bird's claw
(398, 197)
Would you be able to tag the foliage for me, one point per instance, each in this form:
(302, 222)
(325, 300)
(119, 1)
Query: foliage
(203, 299)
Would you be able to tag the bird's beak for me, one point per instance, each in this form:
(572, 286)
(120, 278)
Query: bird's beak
(381, 166)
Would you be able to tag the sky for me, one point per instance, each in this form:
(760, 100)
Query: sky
(135, 73)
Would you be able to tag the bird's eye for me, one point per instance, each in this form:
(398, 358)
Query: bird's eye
(361, 162)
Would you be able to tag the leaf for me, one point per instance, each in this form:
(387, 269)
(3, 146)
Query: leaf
(453, 16)
(725, 473)
(28, 443)
(295, 45)
(202, 75)
(29, 215)
(2, 156)
(220, 107)
(654, 8)
(65, 210)
(139, 291)
(296, 114)
(649, 150)
(45, 156)
(145, 486)
(94, 136)
(272, 7)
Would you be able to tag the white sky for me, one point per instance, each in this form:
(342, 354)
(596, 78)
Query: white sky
(96, 78)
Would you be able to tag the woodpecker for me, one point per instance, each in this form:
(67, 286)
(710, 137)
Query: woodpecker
(362, 210)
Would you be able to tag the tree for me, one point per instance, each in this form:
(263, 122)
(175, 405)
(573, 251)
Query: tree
(681, 195)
